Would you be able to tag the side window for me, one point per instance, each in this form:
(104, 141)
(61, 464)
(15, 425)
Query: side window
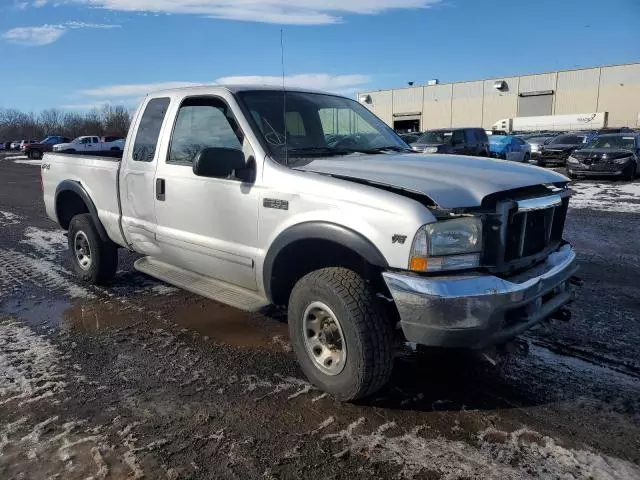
(144, 148)
(96, 140)
(458, 137)
(203, 123)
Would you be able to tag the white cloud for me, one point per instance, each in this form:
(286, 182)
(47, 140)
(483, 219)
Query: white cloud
(300, 12)
(46, 34)
(39, 3)
(34, 36)
(20, 5)
(317, 81)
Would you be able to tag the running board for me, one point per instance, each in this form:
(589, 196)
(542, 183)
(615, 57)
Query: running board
(208, 287)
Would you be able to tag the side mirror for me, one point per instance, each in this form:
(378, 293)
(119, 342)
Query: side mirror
(218, 162)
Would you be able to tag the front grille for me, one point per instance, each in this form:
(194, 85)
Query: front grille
(555, 155)
(532, 231)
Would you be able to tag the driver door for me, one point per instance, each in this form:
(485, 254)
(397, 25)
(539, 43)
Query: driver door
(206, 225)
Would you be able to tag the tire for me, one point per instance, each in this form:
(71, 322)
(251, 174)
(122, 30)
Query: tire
(103, 256)
(526, 158)
(35, 154)
(629, 173)
(365, 334)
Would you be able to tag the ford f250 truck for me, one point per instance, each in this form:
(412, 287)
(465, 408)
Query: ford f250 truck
(254, 196)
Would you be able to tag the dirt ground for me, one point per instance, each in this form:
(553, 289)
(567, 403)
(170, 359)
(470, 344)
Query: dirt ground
(141, 380)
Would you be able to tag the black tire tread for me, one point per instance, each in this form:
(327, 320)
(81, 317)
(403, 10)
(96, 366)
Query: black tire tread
(105, 254)
(373, 328)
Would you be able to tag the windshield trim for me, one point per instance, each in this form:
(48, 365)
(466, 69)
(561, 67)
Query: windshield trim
(267, 149)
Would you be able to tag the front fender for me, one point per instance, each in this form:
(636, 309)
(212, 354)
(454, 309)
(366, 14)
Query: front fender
(320, 230)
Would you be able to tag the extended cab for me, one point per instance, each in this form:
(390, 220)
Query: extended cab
(324, 209)
(90, 144)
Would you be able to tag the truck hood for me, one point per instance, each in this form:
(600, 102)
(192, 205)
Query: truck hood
(602, 153)
(451, 181)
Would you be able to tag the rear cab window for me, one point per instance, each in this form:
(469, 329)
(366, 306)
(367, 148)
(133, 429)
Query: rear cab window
(144, 148)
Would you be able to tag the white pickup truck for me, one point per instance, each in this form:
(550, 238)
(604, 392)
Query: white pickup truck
(324, 209)
(90, 144)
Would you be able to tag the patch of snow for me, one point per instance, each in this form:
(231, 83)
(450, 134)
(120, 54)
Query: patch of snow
(252, 383)
(608, 197)
(520, 455)
(17, 268)
(16, 157)
(162, 289)
(8, 218)
(46, 242)
(25, 161)
(29, 365)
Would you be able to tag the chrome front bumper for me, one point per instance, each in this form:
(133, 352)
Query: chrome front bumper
(476, 311)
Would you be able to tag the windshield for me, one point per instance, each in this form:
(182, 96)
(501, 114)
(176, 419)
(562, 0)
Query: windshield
(614, 141)
(539, 140)
(77, 140)
(436, 136)
(317, 125)
(499, 139)
(568, 140)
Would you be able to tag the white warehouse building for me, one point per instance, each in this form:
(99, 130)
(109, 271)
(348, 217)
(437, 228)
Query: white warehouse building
(614, 90)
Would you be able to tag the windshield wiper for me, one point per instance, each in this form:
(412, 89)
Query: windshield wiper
(388, 148)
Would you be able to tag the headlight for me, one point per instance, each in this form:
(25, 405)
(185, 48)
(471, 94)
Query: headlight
(535, 148)
(431, 150)
(622, 160)
(447, 245)
(572, 160)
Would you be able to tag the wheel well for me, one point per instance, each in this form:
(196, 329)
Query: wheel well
(68, 205)
(304, 256)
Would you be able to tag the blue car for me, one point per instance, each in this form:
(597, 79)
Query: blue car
(508, 147)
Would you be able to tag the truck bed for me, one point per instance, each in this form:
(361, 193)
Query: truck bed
(98, 176)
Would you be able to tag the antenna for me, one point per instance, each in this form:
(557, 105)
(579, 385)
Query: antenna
(284, 100)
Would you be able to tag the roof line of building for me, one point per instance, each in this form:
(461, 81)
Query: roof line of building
(500, 78)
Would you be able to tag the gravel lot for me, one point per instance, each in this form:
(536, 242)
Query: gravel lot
(144, 380)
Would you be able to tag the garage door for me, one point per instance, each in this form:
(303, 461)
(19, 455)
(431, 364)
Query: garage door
(533, 106)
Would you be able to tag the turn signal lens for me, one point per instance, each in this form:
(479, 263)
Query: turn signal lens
(418, 264)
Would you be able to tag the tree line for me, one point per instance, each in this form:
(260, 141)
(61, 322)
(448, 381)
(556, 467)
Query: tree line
(108, 121)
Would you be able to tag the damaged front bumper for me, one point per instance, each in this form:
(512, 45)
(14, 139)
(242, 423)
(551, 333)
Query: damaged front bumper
(476, 310)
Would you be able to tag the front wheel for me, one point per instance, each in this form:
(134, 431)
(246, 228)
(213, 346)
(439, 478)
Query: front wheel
(527, 158)
(94, 260)
(341, 339)
(35, 154)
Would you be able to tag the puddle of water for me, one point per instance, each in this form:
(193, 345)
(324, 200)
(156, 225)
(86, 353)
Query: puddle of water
(93, 317)
(230, 326)
(35, 312)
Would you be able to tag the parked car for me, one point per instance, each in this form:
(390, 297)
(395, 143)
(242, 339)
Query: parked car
(460, 141)
(2, 146)
(607, 155)
(558, 149)
(536, 142)
(7, 145)
(24, 143)
(410, 138)
(236, 208)
(36, 150)
(15, 145)
(509, 147)
(89, 144)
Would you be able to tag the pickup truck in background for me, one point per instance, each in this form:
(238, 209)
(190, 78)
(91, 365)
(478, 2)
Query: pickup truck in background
(323, 209)
(90, 144)
(35, 150)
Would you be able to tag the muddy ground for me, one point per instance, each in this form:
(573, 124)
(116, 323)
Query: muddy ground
(141, 380)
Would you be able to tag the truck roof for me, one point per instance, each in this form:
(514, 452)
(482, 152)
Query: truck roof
(208, 89)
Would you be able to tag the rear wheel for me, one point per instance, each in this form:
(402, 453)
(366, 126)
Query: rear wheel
(342, 341)
(94, 260)
(35, 154)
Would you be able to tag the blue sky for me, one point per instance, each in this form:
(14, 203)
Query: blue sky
(75, 54)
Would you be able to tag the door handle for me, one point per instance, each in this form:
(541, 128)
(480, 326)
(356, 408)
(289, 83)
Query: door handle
(160, 192)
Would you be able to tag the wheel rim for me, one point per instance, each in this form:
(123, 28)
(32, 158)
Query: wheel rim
(323, 339)
(82, 250)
